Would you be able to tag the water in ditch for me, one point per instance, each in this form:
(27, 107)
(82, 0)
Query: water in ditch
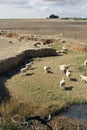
(77, 113)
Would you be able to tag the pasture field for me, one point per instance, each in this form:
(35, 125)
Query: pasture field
(41, 92)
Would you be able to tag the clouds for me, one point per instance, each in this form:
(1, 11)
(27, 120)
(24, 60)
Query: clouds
(64, 2)
(59, 2)
(15, 3)
(42, 8)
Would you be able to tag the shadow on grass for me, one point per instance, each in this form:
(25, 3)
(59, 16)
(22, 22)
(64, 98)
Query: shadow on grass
(50, 72)
(29, 74)
(4, 92)
(33, 68)
(68, 88)
(73, 79)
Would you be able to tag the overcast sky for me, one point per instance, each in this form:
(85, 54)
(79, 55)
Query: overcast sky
(42, 8)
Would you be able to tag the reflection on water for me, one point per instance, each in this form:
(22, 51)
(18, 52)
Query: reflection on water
(77, 113)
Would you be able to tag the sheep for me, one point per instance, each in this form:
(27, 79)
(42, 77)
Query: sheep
(64, 67)
(23, 70)
(63, 41)
(85, 63)
(29, 64)
(83, 78)
(47, 69)
(67, 66)
(35, 44)
(62, 83)
(68, 73)
(64, 49)
(48, 118)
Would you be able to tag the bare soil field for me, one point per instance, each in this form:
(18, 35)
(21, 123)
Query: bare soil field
(71, 29)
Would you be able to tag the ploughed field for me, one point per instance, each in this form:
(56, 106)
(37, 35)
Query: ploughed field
(70, 28)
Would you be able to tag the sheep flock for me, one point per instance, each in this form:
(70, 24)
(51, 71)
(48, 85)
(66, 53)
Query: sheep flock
(64, 70)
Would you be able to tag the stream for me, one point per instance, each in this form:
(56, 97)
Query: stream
(77, 113)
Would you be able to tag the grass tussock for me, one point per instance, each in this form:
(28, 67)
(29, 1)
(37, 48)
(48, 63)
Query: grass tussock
(80, 64)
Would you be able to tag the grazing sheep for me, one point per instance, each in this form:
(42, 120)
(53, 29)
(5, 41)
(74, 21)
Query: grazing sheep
(83, 78)
(63, 41)
(47, 69)
(85, 63)
(29, 64)
(64, 67)
(59, 53)
(37, 44)
(62, 83)
(67, 66)
(48, 118)
(68, 73)
(64, 49)
(24, 70)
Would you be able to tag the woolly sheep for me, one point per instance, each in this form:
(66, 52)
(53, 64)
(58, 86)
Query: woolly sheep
(47, 69)
(85, 63)
(48, 118)
(64, 67)
(64, 49)
(83, 78)
(23, 70)
(68, 73)
(62, 83)
(29, 64)
(67, 66)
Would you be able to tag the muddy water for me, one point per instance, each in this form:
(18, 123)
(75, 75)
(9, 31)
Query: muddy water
(77, 113)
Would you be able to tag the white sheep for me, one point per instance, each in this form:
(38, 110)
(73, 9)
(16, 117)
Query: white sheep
(64, 67)
(35, 44)
(83, 78)
(68, 73)
(62, 83)
(64, 49)
(85, 63)
(67, 66)
(48, 118)
(29, 64)
(24, 70)
(47, 69)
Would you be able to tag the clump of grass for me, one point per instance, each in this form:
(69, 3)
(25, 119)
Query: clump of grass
(14, 107)
(80, 64)
(10, 126)
(57, 47)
